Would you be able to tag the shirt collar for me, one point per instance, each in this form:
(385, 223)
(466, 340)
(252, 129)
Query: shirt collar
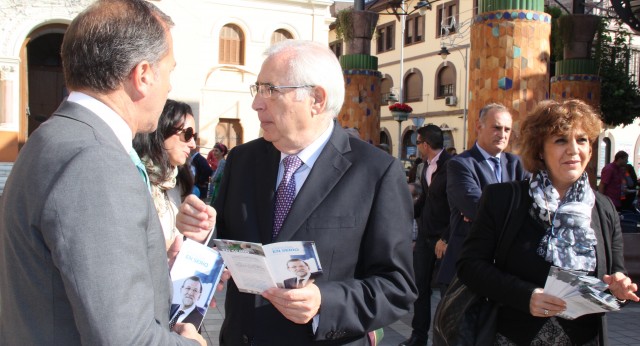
(310, 154)
(108, 115)
(435, 158)
(486, 155)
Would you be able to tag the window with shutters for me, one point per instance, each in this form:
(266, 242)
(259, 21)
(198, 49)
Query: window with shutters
(445, 81)
(447, 16)
(280, 35)
(385, 40)
(231, 45)
(414, 30)
(413, 86)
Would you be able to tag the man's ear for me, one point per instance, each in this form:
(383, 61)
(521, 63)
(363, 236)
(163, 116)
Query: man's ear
(318, 100)
(142, 78)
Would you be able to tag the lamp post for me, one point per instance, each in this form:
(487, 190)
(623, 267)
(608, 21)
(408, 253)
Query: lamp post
(460, 33)
(400, 117)
(398, 9)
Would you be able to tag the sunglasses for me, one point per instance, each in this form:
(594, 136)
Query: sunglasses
(187, 134)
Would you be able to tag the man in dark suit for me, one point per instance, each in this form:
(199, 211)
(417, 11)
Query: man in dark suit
(76, 213)
(302, 273)
(344, 194)
(188, 311)
(433, 227)
(468, 173)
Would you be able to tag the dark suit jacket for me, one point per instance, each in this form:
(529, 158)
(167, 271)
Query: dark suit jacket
(292, 282)
(195, 317)
(356, 206)
(82, 253)
(467, 174)
(432, 206)
(526, 270)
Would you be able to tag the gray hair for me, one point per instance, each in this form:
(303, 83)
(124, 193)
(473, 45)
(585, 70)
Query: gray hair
(108, 39)
(314, 64)
(489, 107)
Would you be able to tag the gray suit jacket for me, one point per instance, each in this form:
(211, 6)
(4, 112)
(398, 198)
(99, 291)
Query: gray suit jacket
(356, 206)
(82, 254)
(467, 174)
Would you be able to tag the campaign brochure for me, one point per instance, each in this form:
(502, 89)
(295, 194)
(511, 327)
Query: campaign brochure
(195, 275)
(255, 267)
(583, 294)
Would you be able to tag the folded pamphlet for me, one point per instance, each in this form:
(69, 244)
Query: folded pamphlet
(583, 294)
(255, 267)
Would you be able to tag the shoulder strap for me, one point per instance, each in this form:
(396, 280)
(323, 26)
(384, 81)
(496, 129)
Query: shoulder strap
(510, 227)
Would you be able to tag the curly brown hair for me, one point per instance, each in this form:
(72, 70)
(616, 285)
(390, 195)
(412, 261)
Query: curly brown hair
(551, 118)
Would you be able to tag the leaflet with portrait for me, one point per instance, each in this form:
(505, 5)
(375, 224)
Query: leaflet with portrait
(195, 275)
(255, 267)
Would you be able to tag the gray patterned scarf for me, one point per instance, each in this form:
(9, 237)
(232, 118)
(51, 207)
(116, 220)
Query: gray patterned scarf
(569, 241)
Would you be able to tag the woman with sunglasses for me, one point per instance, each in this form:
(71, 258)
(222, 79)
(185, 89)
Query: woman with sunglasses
(162, 152)
(561, 222)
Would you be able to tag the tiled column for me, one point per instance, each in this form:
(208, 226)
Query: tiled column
(509, 55)
(361, 107)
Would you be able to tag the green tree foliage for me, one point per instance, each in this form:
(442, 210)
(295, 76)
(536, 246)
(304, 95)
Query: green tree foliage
(620, 97)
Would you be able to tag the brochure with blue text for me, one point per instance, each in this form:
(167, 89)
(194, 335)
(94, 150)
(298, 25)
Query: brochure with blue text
(195, 275)
(255, 267)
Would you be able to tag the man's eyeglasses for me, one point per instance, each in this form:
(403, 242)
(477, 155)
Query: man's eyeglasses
(266, 89)
(187, 134)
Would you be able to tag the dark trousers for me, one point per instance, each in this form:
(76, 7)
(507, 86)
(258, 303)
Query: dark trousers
(424, 265)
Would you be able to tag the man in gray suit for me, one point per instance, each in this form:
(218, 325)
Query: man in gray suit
(82, 253)
(468, 173)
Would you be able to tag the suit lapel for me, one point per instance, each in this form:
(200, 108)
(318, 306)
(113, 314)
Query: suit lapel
(483, 165)
(327, 171)
(266, 172)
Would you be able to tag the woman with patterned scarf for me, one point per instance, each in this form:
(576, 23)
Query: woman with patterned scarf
(563, 223)
(162, 152)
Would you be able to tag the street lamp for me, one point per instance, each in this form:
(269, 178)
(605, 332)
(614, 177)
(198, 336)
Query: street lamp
(400, 117)
(444, 53)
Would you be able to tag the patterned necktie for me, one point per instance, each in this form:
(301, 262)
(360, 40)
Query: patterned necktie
(140, 166)
(497, 169)
(286, 192)
(174, 320)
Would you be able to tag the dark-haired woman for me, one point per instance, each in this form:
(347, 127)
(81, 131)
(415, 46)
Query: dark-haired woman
(162, 152)
(564, 223)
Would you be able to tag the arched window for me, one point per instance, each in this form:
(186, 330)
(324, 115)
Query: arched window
(413, 86)
(446, 81)
(231, 45)
(280, 35)
(385, 89)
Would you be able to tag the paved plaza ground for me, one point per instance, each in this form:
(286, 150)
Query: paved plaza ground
(624, 326)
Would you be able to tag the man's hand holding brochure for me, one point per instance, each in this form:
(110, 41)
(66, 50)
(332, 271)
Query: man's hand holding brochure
(583, 294)
(256, 267)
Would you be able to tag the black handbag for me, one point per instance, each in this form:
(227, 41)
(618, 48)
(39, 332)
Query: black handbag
(463, 318)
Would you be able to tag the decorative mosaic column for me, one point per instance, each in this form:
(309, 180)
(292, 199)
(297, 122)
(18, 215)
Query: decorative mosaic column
(509, 54)
(361, 108)
(576, 79)
(576, 75)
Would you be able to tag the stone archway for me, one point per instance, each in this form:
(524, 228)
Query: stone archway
(43, 86)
